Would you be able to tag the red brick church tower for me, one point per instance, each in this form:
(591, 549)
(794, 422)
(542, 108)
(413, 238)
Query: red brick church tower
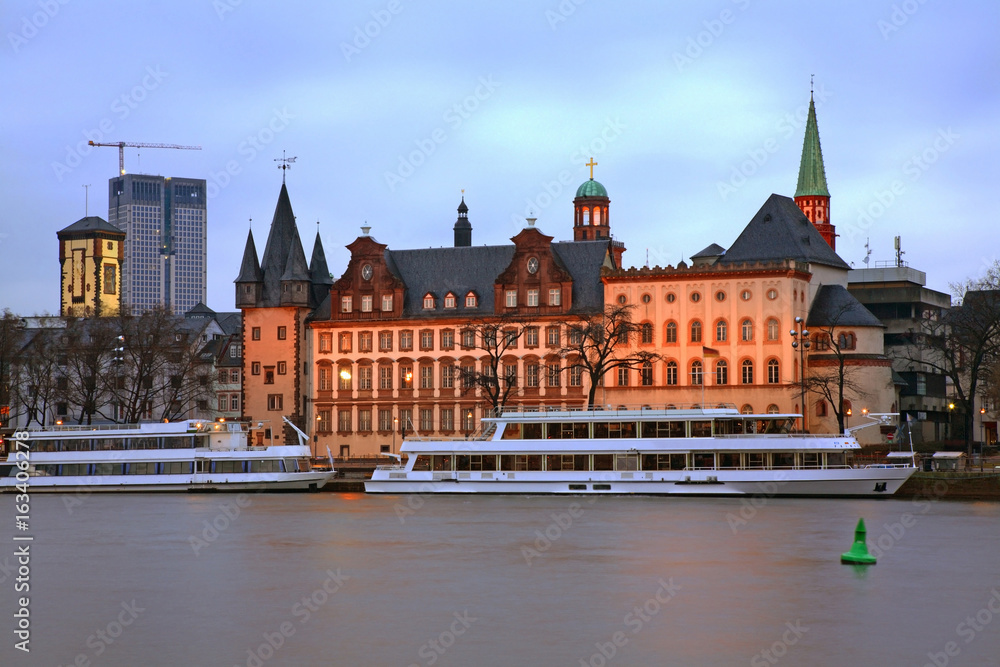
(811, 194)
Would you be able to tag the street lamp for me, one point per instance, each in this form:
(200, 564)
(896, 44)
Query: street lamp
(395, 422)
(982, 430)
(801, 333)
(848, 414)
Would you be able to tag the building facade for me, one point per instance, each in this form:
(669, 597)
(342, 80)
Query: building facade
(165, 224)
(91, 255)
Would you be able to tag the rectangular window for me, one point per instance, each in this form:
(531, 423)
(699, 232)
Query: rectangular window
(426, 419)
(345, 341)
(282, 333)
(576, 376)
(344, 379)
(223, 376)
(385, 377)
(386, 303)
(510, 338)
(366, 303)
(364, 341)
(554, 375)
(405, 421)
(385, 419)
(364, 419)
(406, 340)
(510, 374)
(623, 374)
(555, 296)
(468, 372)
(326, 343)
(385, 341)
(274, 402)
(533, 297)
(223, 402)
(282, 368)
(325, 378)
(255, 333)
(235, 351)
(447, 376)
(575, 335)
(469, 338)
(234, 376)
(531, 337)
(346, 304)
(234, 402)
(268, 374)
(406, 377)
(365, 378)
(552, 336)
(511, 298)
(470, 300)
(255, 368)
(468, 419)
(109, 279)
(323, 421)
(426, 339)
(447, 339)
(344, 421)
(426, 376)
(447, 419)
(531, 375)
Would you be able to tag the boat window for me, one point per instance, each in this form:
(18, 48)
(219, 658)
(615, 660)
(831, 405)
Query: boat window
(729, 460)
(835, 460)
(266, 465)
(701, 429)
(755, 460)
(178, 442)
(783, 459)
(46, 470)
(521, 462)
(228, 466)
(483, 461)
(179, 468)
(531, 431)
(143, 443)
(703, 459)
(563, 431)
(728, 426)
(664, 461)
(662, 429)
(567, 462)
(614, 429)
(305, 464)
(290, 465)
(441, 462)
(810, 459)
(627, 462)
(106, 444)
(109, 468)
(423, 461)
(48, 445)
(143, 468)
(74, 469)
(511, 432)
(604, 461)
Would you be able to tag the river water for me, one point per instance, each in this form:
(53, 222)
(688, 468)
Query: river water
(348, 579)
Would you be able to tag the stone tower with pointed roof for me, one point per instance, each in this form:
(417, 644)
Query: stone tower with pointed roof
(811, 193)
(463, 228)
(276, 295)
(91, 253)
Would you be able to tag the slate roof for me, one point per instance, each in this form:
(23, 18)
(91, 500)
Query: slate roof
(91, 223)
(812, 174)
(250, 268)
(780, 230)
(834, 306)
(475, 268)
(714, 250)
(280, 239)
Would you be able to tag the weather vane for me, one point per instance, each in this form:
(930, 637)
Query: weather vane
(286, 163)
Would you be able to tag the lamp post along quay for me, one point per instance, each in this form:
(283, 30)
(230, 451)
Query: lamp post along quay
(800, 341)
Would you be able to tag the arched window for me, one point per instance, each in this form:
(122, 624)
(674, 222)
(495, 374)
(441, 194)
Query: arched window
(772, 329)
(646, 374)
(773, 374)
(772, 409)
(696, 332)
(746, 409)
(746, 330)
(671, 332)
(847, 341)
(647, 333)
(672, 373)
(586, 216)
(597, 216)
(721, 330)
(747, 371)
(721, 372)
(821, 408)
(696, 373)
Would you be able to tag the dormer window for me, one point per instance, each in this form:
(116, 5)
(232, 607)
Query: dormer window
(346, 304)
(449, 300)
(470, 300)
(428, 301)
(386, 303)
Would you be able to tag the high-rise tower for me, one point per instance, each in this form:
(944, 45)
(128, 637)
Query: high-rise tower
(811, 194)
(165, 223)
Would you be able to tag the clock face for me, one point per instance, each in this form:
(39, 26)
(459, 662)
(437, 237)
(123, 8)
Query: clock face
(366, 271)
(533, 265)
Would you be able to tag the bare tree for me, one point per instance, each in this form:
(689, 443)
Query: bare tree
(595, 344)
(38, 375)
(11, 328)
(494, 380)
(86, 352)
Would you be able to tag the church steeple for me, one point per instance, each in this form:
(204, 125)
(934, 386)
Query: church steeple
(811, 193)
(250, 280)
(463, 228)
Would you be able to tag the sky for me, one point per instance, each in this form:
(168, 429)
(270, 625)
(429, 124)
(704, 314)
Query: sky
(693, 111)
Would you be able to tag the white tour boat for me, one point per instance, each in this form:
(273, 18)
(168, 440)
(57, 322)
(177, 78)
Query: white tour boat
(710, 451)
(188, 455)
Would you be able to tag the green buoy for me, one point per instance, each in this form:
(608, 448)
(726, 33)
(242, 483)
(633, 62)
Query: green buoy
(858, 555)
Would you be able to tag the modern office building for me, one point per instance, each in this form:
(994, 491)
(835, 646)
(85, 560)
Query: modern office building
(165, 225)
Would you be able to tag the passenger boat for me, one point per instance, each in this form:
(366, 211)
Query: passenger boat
(188, 455)
(694, 451)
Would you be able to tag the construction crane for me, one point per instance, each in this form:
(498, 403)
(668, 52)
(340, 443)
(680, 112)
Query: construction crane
(122, 144)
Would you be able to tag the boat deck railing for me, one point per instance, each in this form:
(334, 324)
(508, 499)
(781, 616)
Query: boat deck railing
(617, 410)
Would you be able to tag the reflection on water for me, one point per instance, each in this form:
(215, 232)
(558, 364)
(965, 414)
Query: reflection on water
(358, 580)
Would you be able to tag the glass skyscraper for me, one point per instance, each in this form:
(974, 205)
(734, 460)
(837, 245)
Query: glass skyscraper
(165, 225)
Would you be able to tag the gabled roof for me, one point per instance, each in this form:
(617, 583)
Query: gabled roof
(780, 230)
(812, 175)
(91, 223)
(834, 306)
(250, 268)
(200, 310)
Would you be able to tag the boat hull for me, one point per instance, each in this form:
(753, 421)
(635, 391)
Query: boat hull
(852, 482)
(236, 482)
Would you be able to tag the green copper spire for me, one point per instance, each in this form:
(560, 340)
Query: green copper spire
(812, 176)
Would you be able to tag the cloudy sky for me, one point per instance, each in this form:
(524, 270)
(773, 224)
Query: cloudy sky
(694, 112)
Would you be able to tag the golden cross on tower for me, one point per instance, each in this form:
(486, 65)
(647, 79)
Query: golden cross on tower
(591, 164)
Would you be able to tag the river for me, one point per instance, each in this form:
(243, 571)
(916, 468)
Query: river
(348, 579)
